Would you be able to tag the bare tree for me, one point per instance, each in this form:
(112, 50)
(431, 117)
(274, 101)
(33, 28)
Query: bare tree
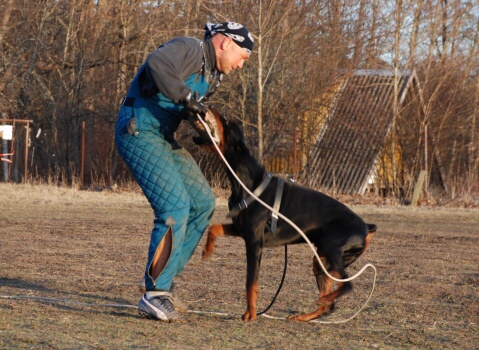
(68, 62)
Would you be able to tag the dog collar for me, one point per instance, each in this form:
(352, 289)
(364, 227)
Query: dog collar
(245, 202)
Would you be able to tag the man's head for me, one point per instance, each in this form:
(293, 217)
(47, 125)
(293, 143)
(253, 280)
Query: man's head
(233, 44)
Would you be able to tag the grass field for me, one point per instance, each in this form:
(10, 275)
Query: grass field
(70, 262)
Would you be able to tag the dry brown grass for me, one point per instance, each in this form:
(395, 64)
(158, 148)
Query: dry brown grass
(89, 247)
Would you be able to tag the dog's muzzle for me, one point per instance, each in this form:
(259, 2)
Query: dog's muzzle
(208, 123)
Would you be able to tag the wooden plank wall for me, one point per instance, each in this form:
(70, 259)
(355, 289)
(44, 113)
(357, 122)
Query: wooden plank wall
(353, 135)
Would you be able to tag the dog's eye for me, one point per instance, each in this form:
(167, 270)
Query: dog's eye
(240, 147)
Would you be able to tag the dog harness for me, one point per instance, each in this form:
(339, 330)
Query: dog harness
(245, 202)
(272, 224)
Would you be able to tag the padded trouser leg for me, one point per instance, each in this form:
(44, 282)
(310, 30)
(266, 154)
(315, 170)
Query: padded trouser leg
(202, 205)
(178, 193)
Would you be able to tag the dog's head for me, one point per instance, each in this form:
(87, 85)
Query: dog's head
(228, 135)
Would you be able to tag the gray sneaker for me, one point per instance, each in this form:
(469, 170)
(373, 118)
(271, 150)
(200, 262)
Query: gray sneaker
(178, 304)
(158, 305)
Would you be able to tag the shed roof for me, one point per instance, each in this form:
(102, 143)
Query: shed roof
(355, 130)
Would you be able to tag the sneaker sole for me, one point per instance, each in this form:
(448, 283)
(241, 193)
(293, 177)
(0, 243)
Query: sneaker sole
(146, 314)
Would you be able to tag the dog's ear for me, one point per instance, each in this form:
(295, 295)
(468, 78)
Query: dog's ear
(235, 131)
(237, 138)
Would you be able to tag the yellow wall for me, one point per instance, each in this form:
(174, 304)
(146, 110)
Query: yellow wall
(310, 124)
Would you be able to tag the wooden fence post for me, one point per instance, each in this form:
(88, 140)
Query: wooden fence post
(418, 187)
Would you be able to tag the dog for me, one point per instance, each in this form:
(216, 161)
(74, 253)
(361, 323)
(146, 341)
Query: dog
(339, 235)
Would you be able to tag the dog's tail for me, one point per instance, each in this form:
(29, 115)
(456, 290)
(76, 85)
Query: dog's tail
(372, 228)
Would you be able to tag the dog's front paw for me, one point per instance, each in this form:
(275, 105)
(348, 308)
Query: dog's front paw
(209, 247)
(249, 316)
(207, 252)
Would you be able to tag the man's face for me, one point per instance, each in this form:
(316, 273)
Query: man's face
(231, 56)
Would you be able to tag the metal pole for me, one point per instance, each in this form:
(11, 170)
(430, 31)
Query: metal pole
(5, 164)
(27, 141)
(12, 150)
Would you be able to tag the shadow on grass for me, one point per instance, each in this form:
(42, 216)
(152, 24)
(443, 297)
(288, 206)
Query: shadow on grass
(68, 300)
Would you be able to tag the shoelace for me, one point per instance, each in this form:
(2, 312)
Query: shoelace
(165, 302)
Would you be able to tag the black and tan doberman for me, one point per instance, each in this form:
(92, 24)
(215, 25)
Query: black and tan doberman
(339, 235)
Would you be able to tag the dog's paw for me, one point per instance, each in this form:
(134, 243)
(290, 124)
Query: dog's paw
(299, 318)
(249, 316)
(209, 247)
(207, 253)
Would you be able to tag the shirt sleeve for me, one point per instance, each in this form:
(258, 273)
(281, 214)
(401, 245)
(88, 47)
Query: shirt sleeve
(173, 62)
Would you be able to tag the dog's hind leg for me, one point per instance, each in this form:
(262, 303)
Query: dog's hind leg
(327, 295)
(325, 287)
(214, 232)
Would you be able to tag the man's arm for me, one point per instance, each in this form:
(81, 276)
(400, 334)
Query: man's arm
(170, 64)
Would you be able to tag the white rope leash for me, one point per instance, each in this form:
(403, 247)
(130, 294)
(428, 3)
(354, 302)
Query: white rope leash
(360, 272)
(80, 303)
(128, 306)
(58, 300)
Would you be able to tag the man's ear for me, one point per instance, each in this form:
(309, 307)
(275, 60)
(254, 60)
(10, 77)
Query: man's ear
(226, 42)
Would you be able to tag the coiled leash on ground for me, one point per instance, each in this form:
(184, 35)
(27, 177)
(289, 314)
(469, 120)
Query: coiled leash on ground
(360, 272)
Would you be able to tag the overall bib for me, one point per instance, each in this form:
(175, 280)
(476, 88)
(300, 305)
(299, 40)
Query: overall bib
(171, 180)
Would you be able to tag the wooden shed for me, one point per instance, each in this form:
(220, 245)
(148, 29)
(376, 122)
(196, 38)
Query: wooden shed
(350, 146)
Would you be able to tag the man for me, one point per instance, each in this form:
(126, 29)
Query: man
(161, 95)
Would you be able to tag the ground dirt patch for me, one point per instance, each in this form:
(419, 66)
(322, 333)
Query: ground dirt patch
(66, 252)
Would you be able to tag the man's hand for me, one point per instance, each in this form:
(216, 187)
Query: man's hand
(197, 115)
(193, 105)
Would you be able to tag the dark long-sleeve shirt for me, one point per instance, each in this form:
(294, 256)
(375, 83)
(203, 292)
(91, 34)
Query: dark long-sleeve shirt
(167, 68)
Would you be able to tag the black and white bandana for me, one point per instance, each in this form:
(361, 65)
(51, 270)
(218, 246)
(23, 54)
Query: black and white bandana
(240, 35)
